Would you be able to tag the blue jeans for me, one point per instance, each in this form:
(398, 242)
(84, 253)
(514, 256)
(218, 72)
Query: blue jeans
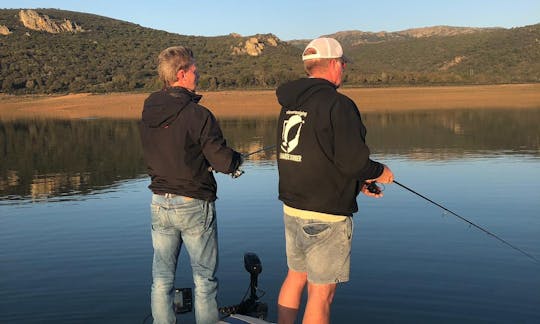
(178, 220)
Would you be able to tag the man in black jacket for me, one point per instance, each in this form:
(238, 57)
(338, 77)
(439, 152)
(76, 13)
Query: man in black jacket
(323, 164)
(182, 142)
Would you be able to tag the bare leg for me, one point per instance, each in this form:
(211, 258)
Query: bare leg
(289, 296)
(320, 298)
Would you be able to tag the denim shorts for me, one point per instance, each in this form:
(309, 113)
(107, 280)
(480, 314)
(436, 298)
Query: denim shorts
(321, 249)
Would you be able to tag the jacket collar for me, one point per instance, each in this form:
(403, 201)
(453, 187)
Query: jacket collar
(183, 92)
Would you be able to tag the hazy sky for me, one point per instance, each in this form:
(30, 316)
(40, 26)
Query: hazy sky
(302, 19)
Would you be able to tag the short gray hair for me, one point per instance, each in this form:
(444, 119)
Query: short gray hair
(314, 65)
(171, 60)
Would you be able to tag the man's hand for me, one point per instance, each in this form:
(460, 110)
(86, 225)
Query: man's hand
(370, 188)
(237, 173)
(386, 176)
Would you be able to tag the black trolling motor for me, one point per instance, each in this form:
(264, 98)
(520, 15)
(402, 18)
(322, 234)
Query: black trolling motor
(250, 306)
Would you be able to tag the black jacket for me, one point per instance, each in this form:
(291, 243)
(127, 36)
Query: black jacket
(180, 140)
(321, 150)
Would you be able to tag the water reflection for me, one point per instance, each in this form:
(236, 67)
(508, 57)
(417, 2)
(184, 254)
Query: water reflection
(52, 158)
(454, 134)
(409, 263)
(47, 158)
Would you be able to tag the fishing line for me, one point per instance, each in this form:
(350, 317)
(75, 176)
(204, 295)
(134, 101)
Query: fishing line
(470, 222)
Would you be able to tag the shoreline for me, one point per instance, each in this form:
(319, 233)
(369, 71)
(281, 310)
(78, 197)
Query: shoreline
(253, 103)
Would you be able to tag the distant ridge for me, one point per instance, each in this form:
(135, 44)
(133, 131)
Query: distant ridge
(92, 53)
(357, 37)
(443, 31)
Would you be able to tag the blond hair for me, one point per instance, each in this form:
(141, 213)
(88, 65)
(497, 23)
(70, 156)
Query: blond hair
(171, 60)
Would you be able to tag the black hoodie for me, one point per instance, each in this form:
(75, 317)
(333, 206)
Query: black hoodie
(180, 140)
(322, 155)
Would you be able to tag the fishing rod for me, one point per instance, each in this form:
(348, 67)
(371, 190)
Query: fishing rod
(245, 156)
(266, 148)
(468, 221)
(372, 187)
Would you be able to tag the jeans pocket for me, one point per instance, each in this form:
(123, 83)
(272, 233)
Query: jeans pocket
(315, 229)
(197, 218)
(349, 227)
(209, 213)
(157, 213)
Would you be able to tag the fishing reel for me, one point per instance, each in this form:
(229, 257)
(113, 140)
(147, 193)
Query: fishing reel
(373, 188)
(237, 173)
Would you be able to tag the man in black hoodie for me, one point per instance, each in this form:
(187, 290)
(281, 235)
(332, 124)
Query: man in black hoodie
(323, 164)
(182, 143)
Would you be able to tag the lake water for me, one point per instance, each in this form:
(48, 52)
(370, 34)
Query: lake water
(75, 228)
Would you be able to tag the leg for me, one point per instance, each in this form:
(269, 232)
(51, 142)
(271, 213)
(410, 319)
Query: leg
(320, 298)
(166, 242)
(289, 296)
(328, 264)
(201, 242)
(293, 285)
(327, 258)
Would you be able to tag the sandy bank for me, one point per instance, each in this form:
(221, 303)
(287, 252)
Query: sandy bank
(263, 103)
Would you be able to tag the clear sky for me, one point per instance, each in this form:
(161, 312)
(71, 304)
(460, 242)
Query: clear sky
(300, 19)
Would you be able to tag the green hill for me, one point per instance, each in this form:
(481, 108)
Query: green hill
(483, 56)
(113, 55)
(79, 52)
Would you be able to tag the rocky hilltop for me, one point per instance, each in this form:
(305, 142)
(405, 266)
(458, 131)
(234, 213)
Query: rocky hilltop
(4, 30)
(254, 46)
(33, 20)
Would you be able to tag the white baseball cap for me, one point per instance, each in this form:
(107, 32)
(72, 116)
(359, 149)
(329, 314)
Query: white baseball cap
(325, 47)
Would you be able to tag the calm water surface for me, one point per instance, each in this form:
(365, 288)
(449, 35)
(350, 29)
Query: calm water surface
(75, 230)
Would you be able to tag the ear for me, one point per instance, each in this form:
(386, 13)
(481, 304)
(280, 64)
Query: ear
(180, 75)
